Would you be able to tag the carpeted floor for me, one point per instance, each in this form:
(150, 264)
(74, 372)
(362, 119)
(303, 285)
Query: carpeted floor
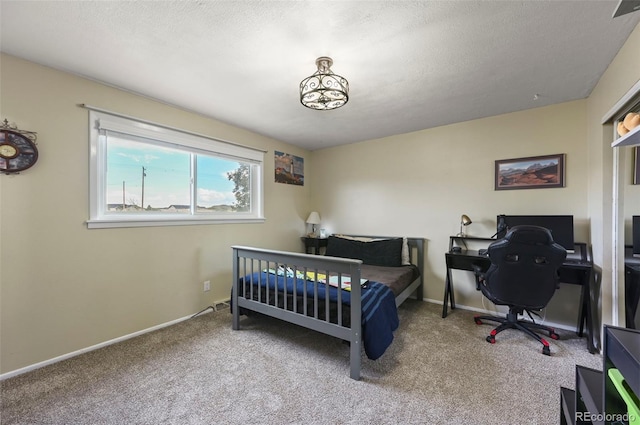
(437, 371)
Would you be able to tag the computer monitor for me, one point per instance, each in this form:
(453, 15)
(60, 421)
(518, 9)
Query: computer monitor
(561, 226)
(635, 232)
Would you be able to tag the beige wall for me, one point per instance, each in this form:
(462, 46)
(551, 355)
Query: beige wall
(64, 287)
(419, 184)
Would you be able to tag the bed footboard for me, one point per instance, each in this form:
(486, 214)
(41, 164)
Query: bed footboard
(302, 298)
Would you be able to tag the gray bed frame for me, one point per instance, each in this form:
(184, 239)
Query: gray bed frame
(249, 260)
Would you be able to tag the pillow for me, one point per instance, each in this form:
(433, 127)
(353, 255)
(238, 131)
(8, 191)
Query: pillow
(386, 252)
(344, 248)
(406, 257)
(391, 252)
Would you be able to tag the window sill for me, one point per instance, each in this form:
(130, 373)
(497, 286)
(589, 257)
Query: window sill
(150, 222)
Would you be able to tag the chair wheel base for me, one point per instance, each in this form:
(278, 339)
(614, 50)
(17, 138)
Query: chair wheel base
(509, 324)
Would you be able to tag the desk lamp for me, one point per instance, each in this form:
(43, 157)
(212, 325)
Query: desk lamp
(464, 221)
(313, 219)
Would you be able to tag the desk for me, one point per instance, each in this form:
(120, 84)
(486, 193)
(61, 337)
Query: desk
(631, 287)
(575, 270)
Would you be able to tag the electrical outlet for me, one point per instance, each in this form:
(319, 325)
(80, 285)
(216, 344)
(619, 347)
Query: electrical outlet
(207, 285)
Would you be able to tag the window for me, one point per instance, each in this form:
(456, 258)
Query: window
(144, 174)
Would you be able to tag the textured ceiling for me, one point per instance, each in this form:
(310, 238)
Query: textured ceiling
(411, 65)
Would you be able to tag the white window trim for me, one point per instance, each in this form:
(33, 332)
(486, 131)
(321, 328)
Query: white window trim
(101, 121)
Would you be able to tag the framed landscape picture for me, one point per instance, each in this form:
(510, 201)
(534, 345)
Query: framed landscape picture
(535, 172)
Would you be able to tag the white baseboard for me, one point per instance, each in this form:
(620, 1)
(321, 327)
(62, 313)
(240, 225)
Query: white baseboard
(106, 343)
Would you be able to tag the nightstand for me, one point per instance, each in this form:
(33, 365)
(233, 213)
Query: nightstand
(313, 245)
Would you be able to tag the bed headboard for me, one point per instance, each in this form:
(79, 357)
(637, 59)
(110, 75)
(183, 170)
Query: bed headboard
(416, 247)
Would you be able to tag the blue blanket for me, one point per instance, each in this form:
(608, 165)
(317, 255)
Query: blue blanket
(379, 312)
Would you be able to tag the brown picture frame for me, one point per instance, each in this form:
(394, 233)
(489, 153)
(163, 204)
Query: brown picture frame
(533, 172)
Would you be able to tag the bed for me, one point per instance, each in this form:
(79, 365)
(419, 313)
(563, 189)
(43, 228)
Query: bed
(351, 293)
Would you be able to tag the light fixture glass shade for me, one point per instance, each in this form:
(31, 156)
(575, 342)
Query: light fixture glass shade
(324, 90)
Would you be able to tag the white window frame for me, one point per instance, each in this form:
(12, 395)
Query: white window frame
(101, 121)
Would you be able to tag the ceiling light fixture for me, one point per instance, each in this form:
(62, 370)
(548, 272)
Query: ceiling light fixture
(324, 90)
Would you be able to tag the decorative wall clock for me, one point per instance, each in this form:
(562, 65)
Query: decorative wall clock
(18, 149)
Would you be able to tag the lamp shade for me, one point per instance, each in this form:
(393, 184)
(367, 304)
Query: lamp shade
(464, 221)
(314, 218)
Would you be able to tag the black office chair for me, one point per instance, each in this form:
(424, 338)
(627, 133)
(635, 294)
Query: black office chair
(524, 276)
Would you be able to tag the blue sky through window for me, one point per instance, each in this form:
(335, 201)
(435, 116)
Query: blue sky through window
(167, 175)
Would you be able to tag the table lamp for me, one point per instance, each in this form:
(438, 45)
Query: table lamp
(464, 221)
(313, 219)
